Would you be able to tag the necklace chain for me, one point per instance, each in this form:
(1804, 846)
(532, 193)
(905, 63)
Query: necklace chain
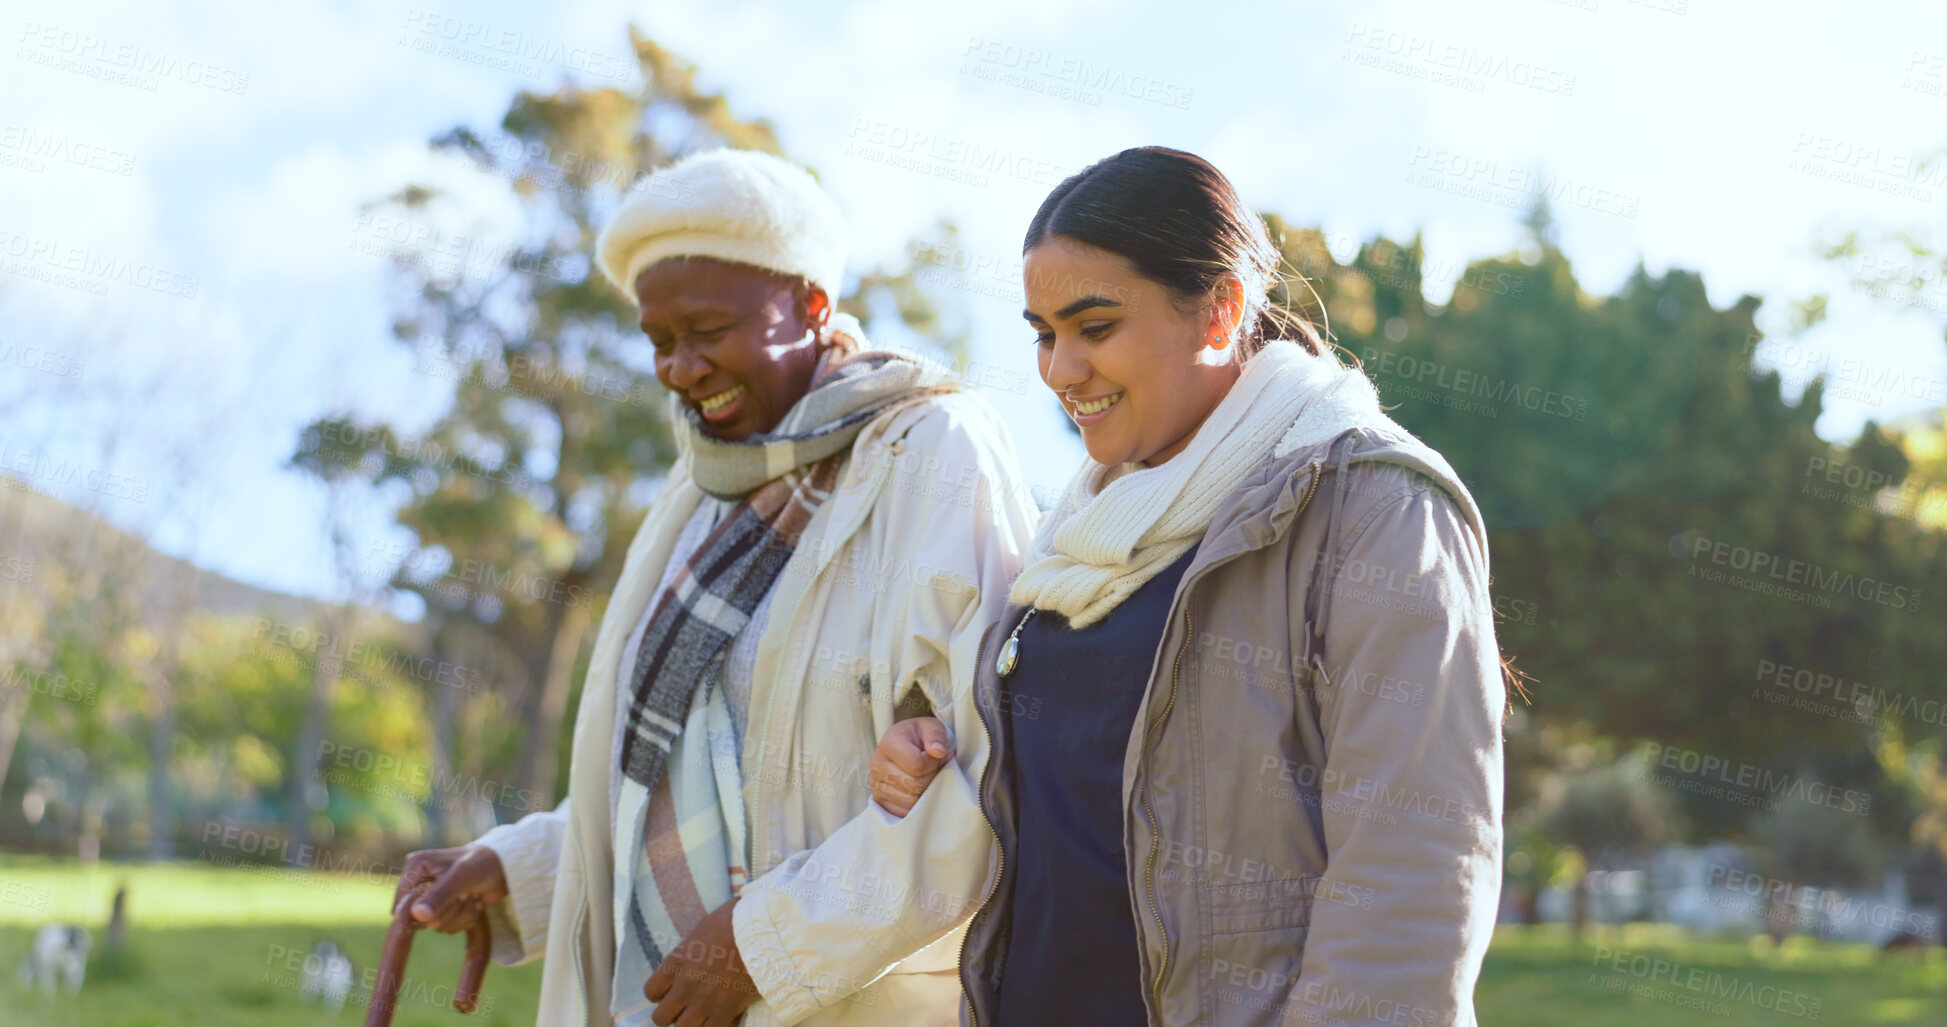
(1010, 655)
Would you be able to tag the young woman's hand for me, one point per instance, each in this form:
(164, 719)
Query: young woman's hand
(904, 764)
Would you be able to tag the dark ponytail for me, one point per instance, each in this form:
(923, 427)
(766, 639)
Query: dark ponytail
(1175, 218)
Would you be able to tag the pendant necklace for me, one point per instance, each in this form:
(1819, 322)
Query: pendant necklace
(1011, 649)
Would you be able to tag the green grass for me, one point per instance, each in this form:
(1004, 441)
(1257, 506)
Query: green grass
(225, 946)
(1539, 977)
(216, 946)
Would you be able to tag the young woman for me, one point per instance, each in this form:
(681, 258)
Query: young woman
(1238, 728)
(802, 574)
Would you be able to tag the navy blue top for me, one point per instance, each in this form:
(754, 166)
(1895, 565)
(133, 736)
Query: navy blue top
(1071, 706)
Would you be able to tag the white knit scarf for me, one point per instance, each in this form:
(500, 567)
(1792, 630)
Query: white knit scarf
(1116, 528)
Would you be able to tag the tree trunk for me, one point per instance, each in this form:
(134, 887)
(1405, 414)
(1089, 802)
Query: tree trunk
(15, 629)
(162, 744)
(1579, 916)
(1779, 914)
(544, 743)
(310, 742)
(13, 713)
(446, 710)
(117, 934)
(1527, 899)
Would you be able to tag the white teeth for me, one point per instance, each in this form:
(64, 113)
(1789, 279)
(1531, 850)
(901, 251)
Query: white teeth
(1096, 406)
(712, 404)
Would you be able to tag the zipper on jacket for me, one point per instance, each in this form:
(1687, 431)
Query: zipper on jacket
(1155, 833)
(980, 795)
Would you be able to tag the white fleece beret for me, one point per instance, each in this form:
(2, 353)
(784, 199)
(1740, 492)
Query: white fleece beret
(736, 205)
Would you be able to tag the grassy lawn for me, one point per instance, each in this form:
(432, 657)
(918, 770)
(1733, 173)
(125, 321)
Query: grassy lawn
(214, 946)
(1539, 977)
(218, 946)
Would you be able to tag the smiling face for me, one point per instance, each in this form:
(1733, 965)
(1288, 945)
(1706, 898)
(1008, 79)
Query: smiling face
(734, 342)
(1133, 368)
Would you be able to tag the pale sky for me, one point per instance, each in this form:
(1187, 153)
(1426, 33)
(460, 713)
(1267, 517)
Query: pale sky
(180, 185)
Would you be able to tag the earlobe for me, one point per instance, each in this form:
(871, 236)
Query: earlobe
(818, 306)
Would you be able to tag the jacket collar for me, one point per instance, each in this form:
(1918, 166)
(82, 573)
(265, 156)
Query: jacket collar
(1264, 505)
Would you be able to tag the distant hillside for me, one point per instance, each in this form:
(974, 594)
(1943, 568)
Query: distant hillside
(40, 532)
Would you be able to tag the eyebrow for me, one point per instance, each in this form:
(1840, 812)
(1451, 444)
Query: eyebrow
(689, 318)
(1075, 307)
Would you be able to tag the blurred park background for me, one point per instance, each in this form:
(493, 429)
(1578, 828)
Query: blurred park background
(303, 540)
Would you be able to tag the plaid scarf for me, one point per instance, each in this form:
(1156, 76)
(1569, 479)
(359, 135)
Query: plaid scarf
(682, 789)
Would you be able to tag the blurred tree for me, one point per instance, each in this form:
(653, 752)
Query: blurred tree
(1808, 845)
(1612, 443)
(1608, 814)
(522, 497)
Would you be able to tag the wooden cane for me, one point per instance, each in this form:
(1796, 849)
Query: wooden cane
(398, 946)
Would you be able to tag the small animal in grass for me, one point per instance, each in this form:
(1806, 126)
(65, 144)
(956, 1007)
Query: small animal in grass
(1905, 943)
(59, 955)
(327, 976)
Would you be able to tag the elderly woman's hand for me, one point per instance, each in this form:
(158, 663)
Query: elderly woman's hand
(904, 764)
(703, 981)
(465, 879)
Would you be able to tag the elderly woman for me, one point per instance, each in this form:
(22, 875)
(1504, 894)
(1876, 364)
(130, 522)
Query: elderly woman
(841, 524)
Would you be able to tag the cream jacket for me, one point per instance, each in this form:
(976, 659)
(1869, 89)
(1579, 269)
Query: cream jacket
(844, 922)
